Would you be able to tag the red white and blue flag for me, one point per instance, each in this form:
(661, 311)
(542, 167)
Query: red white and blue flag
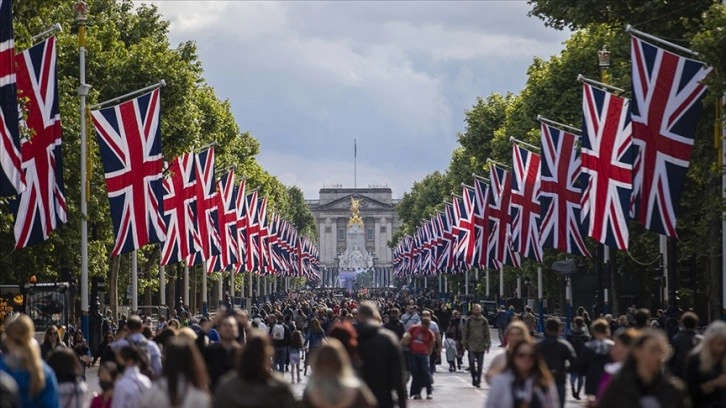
(227, 224)
(466, 250)
(129, 137)
(481, 222)
(446, 260)
(667, 94)
(607, 166)
(253, 232)
(179, 204)
(561, 226)
(240, 197)
(12, 180)
(501, 251)
(524, 208)
(41, 208)
(206, 241)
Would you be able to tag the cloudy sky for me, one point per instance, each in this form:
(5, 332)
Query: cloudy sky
(307, 78)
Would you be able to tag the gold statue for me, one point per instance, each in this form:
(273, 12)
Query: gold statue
(355, 213)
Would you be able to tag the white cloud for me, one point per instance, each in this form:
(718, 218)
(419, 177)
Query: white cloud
(308, 77)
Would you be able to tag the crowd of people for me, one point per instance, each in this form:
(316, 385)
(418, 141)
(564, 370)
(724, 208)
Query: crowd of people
(373, 349)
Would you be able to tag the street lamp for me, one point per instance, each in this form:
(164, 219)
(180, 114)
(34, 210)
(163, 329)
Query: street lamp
(603, 59)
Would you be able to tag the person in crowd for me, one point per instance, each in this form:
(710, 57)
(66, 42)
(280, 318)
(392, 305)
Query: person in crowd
(9, 394)
(443, 313)
(422, 344)
(683, 343)
(476, 340)
(51, 341)
(280, 334)
(456, 332)
(83, 352)
(705, 368)
(296, 348)
(516, 332)
(530, 320)
(107, 374)
(411, 317)
(104, 351)
(595, 354)
(500, 322)
(435, 357)
(450, 346)
(642, 382)
(133, 382)
(71, 386)
(219, 357)
(253, 383)
(346, 334)
(619, 352)
(642, 318)
(382, 361)
(36, 382)
(137, 339)
(577, 339)
(558, 354)
(526, 382)
(313, 339)
(184, 382)
(394, 323)
(333, 383)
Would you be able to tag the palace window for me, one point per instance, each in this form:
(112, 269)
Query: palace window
(341, 234)
(369, 234)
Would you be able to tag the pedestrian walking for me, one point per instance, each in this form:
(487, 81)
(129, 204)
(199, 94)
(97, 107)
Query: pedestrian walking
(577, 339)
(36, 382)
(622, 341)
(394, 323)
(595, 354)
(558, 355)
(456, 327)
(526, 382)
(51, 341)
(295, 351)
(450, 346)
(642, 381)
(280, 334)
(705, 368)
(184, 382)
(516, 332)
(476, 340)
(435, 357)
(253, 383)
(219, 358)
(422, 344)
(333, 383)
(107, 374)
(683, 343)
(132, 382)
(313, 339)
(71, 386)
(411, 317)
(500, 322)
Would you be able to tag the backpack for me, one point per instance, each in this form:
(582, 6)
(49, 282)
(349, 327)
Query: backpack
(278, 332)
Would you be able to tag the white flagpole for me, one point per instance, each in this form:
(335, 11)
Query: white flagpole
(220, 287)
(186, 284)
(205, 303)
(487, 281)
(501, 283)
(134, 282)
(231, 286)
(162, 285)
(80, 8)
(540, 296)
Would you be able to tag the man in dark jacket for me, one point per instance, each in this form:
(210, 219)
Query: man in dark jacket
(380, 353)
(595, 354)
(683, 342)
(219, 357)
(394, 323)
(558, 354)
(500, 322)
(577, 339)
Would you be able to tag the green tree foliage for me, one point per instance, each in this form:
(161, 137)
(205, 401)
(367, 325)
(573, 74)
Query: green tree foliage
(127, 49)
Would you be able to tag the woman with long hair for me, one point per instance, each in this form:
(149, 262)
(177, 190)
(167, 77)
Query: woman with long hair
(526, 382)
(346, 334)
(51, 341)
(622, 340)
(254, 384)
(705, 369)
(36, 381)
(184, 382)
(132, 382)
(641, 381)
(294, 352)
(333, 383)
(314, 338)
(104, 351)
(516, 332)
(71, 386)
(107, 374)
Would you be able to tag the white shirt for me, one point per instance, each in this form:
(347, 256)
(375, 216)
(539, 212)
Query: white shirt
(128, 390)
(152, 347)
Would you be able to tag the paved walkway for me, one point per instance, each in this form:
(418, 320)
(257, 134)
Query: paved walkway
(450, 389)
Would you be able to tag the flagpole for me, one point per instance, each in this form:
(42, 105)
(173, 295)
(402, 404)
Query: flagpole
(582, 78)
(129, 95)
(162, 285)
(220, 288)
(186, 284)
(486, 276)
(355, 163)
(205, 299)
(558, 124)
(80, 9)
(134, 282)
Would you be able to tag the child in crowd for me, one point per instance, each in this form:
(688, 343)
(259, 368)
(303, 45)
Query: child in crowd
(450, 346)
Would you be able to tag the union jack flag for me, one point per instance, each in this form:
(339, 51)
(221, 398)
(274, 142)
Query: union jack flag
(179, 200)
(12, 180)
(129, 137)
(241, 205)
(500, 237)
(481, 222)
(41, 208)
(206, 242)
(524, 209)
(227, 223)
(667, 94)
(561, 224)
(263, 236)
(276, 264)
(446, 260)
(607, 166)
(253, 232)
(466, 250)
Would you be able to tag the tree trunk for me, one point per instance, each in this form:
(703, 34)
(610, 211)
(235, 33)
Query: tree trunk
(113, 285)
